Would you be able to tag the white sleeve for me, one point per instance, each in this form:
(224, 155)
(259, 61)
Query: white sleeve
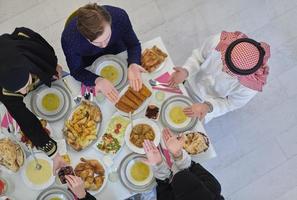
(181, 164)
(192, 65)
(161, 171)
(240, 97)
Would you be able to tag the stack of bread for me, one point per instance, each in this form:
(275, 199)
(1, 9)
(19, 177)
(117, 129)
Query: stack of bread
(132, 100)
(11, 155)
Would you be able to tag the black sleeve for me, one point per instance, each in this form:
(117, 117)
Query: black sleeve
(33, 35)
(89, 197)
(29, 123)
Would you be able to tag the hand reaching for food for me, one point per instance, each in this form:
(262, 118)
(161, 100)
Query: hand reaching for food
(178, 76)
(107, 88)
(58, 162)
(173, 143)
(152, 153)
(197, 110)
(134, 76)
(59, 70)
(76, 185)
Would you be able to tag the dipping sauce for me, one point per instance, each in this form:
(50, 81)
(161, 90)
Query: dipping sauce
(50, 102)
(39, 177)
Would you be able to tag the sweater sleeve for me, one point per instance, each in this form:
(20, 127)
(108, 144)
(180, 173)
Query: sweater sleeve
(89, 197)
(193, 63)
(131, 41)
(29, 124)
(74, 60)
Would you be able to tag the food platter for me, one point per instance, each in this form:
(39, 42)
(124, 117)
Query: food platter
(125, 177)
(46, 94)
(153, 59)
(113, 68)
(82, 167)
(173, 108)
(113, 138)
(139, 103)
(195, 142)
(82, 126)
(151, 126)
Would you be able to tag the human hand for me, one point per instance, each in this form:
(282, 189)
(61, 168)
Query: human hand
(107, 88)
(152, 153)
(76, 185)
(59, 71)
(178, 76)
(197, 110)
(58, 162)
(134, 76)
(172, 142)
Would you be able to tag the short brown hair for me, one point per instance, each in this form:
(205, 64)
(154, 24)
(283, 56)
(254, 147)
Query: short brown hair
(91, 19)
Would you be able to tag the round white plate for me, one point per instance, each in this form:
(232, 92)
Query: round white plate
(116, 61)
(168, 104)
(66, 108)
(132, 180)
(122, 169)
(167, 110)
(149, 122)
(42, 93)
(53, 192)
(28, 182)
(76, 161)
(114, 64)
(141, 107)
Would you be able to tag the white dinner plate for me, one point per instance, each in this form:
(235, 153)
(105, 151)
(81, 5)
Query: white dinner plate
(28, 182)
(42, 93)
(149, 122)
(114, 60)
(168, 104)
(132, 180)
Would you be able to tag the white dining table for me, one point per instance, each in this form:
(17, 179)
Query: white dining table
(112, 190)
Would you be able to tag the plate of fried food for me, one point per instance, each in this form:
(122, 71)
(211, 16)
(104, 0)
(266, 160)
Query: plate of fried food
(82, 126)
(132, 101)
(12, 156)
(143, 129)
(153, 59)
(113, 138)
(93, 173)
(26, 142)
(195, 142)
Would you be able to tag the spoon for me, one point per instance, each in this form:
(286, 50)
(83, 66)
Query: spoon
(131, 120)
(38, 166)
(156, 83)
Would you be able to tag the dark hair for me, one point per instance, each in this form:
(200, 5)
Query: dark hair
(91, 19)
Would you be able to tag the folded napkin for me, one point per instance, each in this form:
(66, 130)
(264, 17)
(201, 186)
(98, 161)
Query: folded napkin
(164, 78)
(90, 89)
(6, 120)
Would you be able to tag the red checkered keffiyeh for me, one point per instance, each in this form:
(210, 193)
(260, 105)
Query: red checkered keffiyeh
(245, 56)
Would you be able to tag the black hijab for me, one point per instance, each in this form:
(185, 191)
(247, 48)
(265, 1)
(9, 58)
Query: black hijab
(21, 54)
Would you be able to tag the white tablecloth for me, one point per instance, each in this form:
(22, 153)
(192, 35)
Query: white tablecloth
(113, 190)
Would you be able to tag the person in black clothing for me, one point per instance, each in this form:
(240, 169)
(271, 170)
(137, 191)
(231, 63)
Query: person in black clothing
(27, 61)
(185, 179)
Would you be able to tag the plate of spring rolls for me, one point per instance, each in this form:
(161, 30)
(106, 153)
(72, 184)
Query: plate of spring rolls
(132, 101)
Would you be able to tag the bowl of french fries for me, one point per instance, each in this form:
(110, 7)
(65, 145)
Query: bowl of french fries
(82, 126)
